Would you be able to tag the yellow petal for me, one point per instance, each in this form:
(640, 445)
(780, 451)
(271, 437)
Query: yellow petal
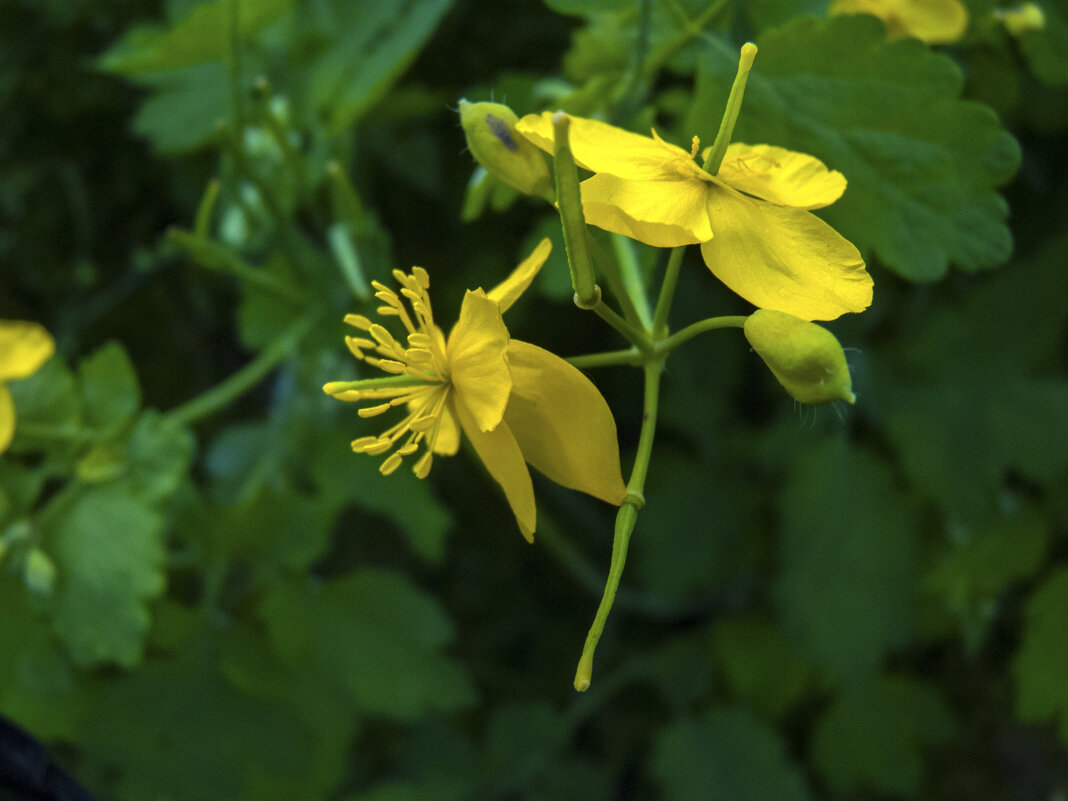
(24, 347)
(508, 291)
(499, 451)
(600, 147)
(784, 259)
(447, 441)
(781, 176)
(478, 367)
(7, 417)
(660, 213)
(934, 21)
(562, 423)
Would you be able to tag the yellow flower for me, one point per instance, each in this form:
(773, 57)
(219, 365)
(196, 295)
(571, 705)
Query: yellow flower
(751, 219)
(517, 403)
(933, 21)
(24, 347)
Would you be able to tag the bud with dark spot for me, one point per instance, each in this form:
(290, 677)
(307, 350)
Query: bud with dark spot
(493, 141)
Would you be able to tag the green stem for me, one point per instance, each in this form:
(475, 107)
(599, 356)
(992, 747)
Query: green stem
(202, 226)
(730, 114)
(214, 256)
(615, 279)
(625, 520)
(665, 346)
(667, 291)
(631, 357)
(569, 199)
(631, 277)
(691, 28)
(631, 333)
(223, 393)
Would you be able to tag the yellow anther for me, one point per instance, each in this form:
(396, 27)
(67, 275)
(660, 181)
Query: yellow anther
(358, 321)
(421, 468)
(373, 411)
(392, 462)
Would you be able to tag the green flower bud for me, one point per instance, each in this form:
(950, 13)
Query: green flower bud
(506, 155)
(805, 358)
(1021, 19)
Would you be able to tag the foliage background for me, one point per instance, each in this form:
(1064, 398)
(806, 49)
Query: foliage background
(870, 604)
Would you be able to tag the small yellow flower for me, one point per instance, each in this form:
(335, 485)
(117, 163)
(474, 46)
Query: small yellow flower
(933, 21)
(515, 402)
(24, 347)
(751, 219)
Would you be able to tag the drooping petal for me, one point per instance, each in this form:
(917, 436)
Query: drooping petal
(600, 147)
(447, 439)
(508, 291)
(663, 213)
(24, 347)
(7, 417)
(784, 259)
(500, 452)
(933, 21)
(478, 367)
(562, 423)
(781, 176)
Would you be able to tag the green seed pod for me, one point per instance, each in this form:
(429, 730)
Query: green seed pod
(493, 141)
(805, 358)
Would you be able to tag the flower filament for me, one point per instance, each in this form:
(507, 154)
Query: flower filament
(424, 359)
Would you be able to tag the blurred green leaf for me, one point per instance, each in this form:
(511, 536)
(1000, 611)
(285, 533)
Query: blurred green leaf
(724, 755)
(186, 108)
(922, 164)
(108, 548)
(38, 686)
(847, 583)
(49, 398)
(344, 477)
(1039, 666)
(763, 669)
(872, 737)
(763, 14)
(974, 567)
(177, 729)
(158, 455)
(208, 32)
(372, 635)
(109, 388)
(1046, 49)
(374, 43)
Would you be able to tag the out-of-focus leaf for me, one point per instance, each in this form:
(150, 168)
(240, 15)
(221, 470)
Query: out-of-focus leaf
(725, 754)
(873, 736)
(177, 729)
(158, 454)
(1039, 666)
(848, 553)
(186, 108)
(38, 686)
(763, 14)
(345, 477)
(110, 392)
(208, 32)
(1046, 49)
(974, 567)
(109, 553)
(48, 398)
(922, 164)
(681, 555)
(374, 636)
(763, 669)
(374, 43)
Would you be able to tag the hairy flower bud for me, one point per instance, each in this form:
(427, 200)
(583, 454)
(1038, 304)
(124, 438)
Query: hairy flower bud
(506, 155)
(805, 357)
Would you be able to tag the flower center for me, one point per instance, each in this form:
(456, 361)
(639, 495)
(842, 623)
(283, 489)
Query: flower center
(423, 360)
